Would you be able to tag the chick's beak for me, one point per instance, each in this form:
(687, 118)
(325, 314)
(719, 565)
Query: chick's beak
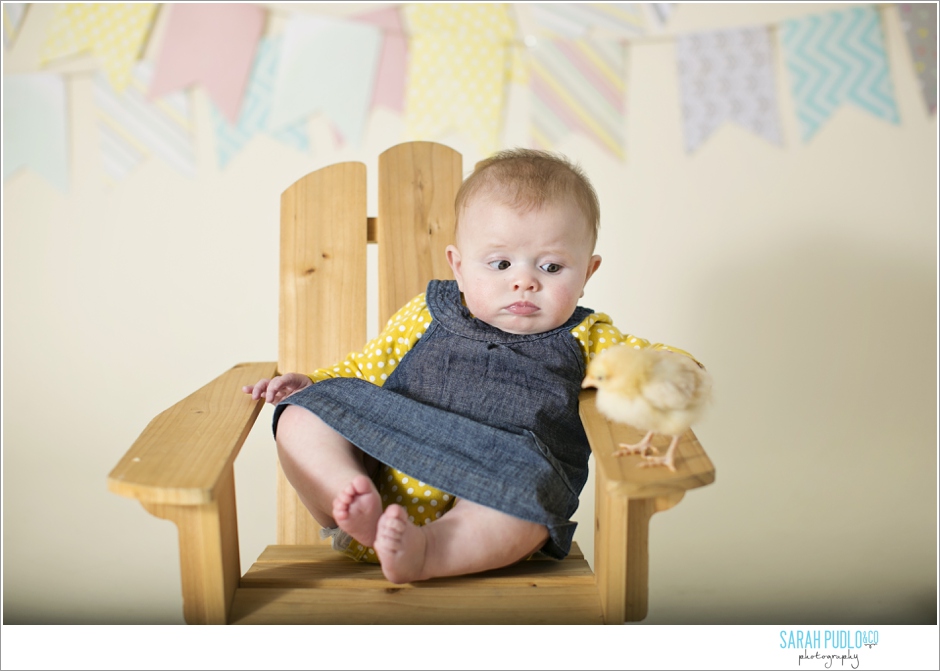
(588, 382)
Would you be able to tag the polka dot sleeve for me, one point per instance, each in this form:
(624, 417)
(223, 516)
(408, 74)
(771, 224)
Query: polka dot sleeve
(382, 354)
(597, 332)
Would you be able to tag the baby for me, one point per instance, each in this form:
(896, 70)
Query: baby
(452, 444)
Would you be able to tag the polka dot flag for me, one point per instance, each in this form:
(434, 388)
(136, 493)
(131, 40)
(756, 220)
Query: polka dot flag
(460, 58)
(115, 33)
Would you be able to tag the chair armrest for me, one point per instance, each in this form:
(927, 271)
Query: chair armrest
(693, 467)
(183, 454)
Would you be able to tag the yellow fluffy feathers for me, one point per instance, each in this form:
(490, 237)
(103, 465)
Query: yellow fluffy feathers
(656, 391)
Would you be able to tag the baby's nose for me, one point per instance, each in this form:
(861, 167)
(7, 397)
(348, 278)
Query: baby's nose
(525, 281)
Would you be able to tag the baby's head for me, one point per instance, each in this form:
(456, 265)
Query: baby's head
(526, 228)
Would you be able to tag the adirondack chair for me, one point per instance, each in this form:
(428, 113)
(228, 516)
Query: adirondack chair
(181, 468)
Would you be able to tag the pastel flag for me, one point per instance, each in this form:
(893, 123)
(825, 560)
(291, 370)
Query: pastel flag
(213, 45)
(35, 127)
(578, 86)
(727, 75)
(393, 61)
(230, 138)
(13, 13)
(574, 20)
(457, 72)
(115, 33)
(327, 66)
(662, 11)
(837, 58)
(132, 128)
(920, 28)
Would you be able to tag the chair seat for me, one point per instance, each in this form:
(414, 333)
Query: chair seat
(313, 584)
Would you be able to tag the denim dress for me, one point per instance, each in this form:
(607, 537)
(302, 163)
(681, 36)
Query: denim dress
(488, 416)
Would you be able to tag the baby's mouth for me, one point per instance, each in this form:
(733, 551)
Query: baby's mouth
(523, 308)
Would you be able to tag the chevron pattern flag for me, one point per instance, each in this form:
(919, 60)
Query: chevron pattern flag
(132, 128)
(253, 119)
(920, 28)
(578, 86)
(574, 20)
(727, 75)
(836, 58)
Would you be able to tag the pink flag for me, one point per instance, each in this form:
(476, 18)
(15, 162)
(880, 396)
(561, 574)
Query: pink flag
(390, 79)
(213, 45)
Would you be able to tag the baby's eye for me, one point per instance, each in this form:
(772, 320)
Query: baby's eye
(502, 264)
(551, 268)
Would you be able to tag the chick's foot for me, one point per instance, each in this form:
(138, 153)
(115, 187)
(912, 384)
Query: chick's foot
(668, 460)
(644, 447)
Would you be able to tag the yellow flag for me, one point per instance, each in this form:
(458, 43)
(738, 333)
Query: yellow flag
(115, 33)
(460, 58)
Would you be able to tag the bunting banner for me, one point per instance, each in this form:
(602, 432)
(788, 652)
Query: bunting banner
(457, 73)
(920, 28)
(13, 13)
(393, 62)
(115, 33)
(836, 58)
(662, 11)
(209, 44)
(578, 86)
(727, 75)
(230, 138)
(133, 128)
(35, 127)
(328, 66)
(572, 21)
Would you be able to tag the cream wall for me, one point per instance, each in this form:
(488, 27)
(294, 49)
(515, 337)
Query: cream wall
(804, 277)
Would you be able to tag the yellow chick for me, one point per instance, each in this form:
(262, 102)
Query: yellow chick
(656, 391)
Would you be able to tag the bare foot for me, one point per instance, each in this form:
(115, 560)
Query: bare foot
(357, 508)
(400, 545)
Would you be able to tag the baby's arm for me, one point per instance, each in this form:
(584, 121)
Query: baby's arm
(597, 332)
(277, 389)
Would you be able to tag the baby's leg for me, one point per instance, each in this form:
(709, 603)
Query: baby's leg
(468, 539)
(330, 474)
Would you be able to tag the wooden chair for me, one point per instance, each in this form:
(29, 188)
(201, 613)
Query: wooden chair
(181, 468)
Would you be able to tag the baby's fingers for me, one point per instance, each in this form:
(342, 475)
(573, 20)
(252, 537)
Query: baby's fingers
(257, 389)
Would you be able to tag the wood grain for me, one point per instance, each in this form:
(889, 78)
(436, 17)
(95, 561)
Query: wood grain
(323, 294)
(316, 585)
(418, 183)
(183, 454)
(209, 558)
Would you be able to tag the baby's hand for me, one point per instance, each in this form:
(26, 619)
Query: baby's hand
(275, 390)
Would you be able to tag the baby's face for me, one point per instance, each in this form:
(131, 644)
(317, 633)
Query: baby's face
(522, 272)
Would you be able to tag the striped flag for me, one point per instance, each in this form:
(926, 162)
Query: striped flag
(12, 18)
(837, 58)
(568, 20)
(131, 128)
(578, 86)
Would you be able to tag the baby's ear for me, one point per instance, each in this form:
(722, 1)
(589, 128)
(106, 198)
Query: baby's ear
(453, 260)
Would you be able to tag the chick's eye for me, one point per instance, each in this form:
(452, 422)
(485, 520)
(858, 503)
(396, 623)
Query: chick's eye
(502, 264)
(551, 268)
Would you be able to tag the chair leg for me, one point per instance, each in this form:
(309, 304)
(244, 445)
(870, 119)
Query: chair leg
(210, 568)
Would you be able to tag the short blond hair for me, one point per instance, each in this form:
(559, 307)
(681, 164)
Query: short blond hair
(528, 179)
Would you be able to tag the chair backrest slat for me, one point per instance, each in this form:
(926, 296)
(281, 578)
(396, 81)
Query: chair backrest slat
(323, 294)
(417, 185)
(323, 265)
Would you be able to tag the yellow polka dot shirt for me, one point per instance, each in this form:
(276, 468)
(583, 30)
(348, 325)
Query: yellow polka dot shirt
(383, 354)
